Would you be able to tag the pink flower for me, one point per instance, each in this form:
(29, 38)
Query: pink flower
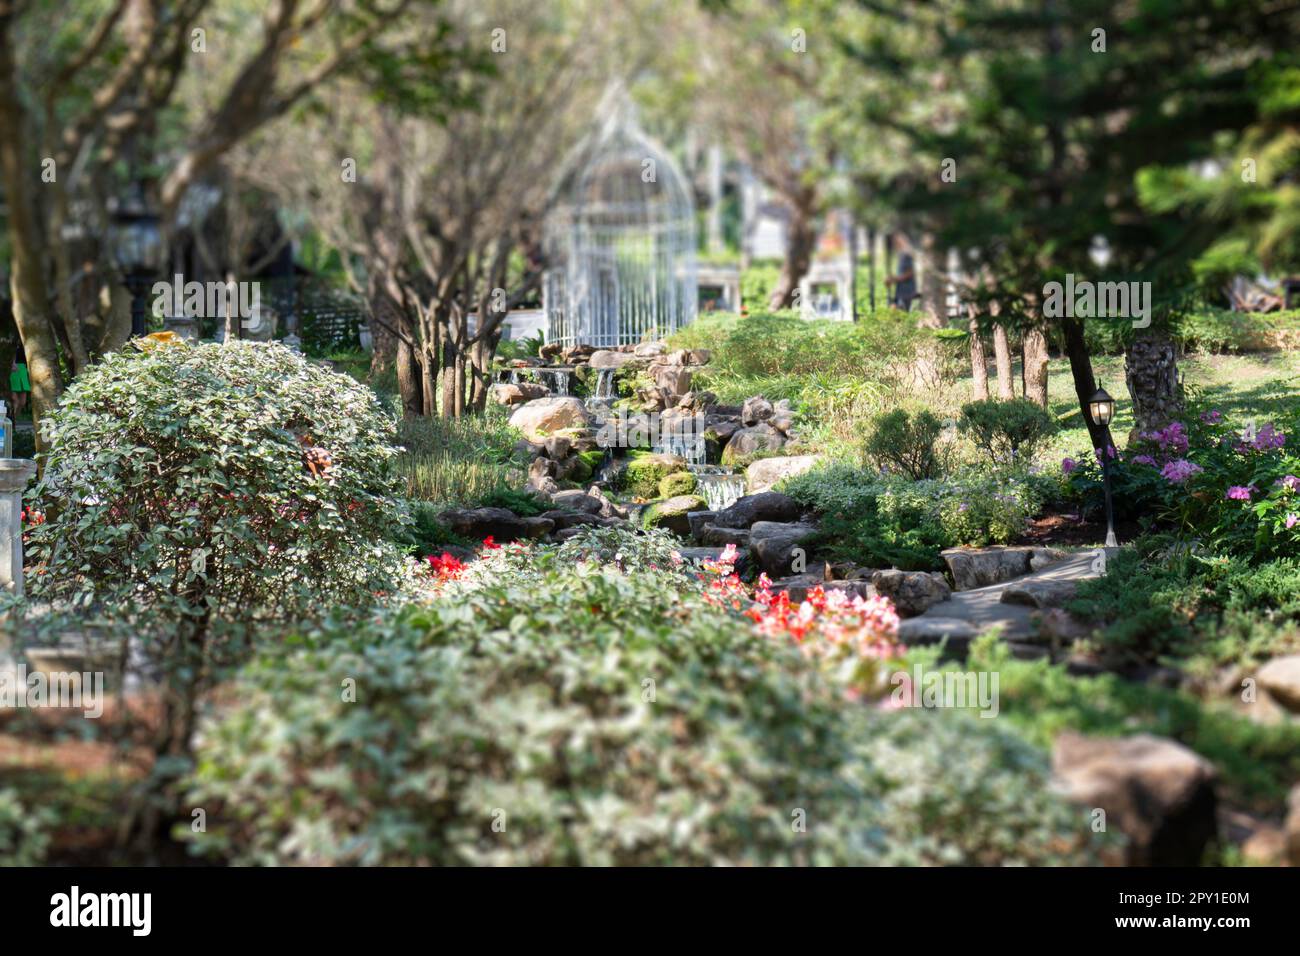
(1144, 460)
(1292, 520)
(1068, 465)
(1290, 482)
(1212, 417)
(1179, 470)
(1238, 493)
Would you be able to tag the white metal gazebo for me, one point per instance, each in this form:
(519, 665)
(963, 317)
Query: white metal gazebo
(621, 242)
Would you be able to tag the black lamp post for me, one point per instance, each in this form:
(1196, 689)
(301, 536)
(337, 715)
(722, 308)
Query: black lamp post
(1101, 409)
(137, 246)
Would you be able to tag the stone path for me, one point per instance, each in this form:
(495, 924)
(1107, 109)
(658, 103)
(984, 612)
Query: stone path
(968, 614)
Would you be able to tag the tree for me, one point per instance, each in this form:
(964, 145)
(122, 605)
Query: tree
(1058, 122)
(104, 95)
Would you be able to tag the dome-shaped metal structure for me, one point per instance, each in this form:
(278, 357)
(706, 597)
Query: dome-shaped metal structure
(621, 242)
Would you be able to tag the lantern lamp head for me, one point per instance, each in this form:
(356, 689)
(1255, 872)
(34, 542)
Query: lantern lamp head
(1101, 407)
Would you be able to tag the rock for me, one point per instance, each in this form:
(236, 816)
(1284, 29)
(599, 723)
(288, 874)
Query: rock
(772, 545)
(671, 513)
(1156, 792)
(717, 537)
(700, 356)
(1266, 846)
(543, 486)
(755, 410)
(913, 592)
(926, 630)
(1057, 626)
(529, 449)
(1293, 826)
(577, 501)
(516, 393)
(1044, 557)
(643, 473)
(1043, 594)
(782, 423)
(540, 468)
(763, 474)
(721, 428)
(549, 351)
(980, 567)
(699, 521)
(650, 349)
(1281, 678)
(540, 417)
(764, 506)
(500, 524)
(557, 449)
(673, 379)
(751, 441)
(604, 358)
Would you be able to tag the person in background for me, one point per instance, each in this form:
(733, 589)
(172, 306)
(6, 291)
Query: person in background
(20, 384)
(904, 282)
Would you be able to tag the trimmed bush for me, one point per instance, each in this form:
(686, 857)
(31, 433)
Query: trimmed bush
(1007, 430)
(904, 442)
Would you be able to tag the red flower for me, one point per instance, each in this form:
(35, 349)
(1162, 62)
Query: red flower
(489, 544)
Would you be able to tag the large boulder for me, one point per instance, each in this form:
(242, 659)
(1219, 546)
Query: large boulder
(755, 410)
(766, 473)
(764, 506)
(772, 545)
(674, 380)
(574, 500)
(501, 524)
(1281, 678)
(980, 567)
(913, 592)
(716, 537)
(605, 358)
(1156, 792)
(671, 513)
(516, 393)
(1040, 593)
(750, 441)
(541, 417)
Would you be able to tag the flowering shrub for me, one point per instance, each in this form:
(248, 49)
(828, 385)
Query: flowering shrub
(196, 495)
(175, 480)
(1229, 484)
(600, 713)
(24, 830)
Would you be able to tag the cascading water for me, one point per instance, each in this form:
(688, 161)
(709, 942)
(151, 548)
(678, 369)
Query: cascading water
(604, 385)
(720, 487)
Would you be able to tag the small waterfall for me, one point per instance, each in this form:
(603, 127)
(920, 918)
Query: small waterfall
(604, 385)
(719, 487)
(514, 376)
(556, 379)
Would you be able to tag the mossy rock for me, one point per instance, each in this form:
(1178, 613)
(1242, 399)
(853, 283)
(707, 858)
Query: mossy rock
(672, 513)
(678, 483)
(646, 469)
(594, 458)
(579, 469)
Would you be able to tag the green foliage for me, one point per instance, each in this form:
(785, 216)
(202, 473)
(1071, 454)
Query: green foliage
(177, 483)
(524, 503)
(426, 534)
(644, 472)
(24, 836)
(884, 521)
(905, 442)
(459, 461)
(598, 716)
(678, 483)
(1007, 430)
(1167, 603)
(1256, 762)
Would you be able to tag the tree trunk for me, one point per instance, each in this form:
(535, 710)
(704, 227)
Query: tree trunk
(933, 308)
(1151, 373)
(979, 364)
(410, 380)
(32, 307)
(1076, 349)
(1034, 366)
(800, 243)
(1002, 360)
